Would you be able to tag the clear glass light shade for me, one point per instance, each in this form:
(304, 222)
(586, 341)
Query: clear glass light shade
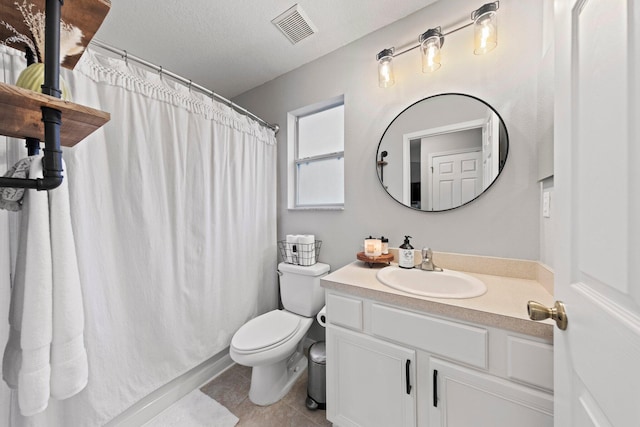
(486, 32)
(385, 71)
(430, 49)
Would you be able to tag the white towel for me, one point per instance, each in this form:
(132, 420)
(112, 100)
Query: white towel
(11, 198)
(307, 249)
(45, 354)
(69, 369)
(26, 360)
(291, 249)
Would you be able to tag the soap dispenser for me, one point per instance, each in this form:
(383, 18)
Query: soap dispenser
(405, 254)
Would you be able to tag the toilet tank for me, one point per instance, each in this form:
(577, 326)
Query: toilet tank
(300, 288)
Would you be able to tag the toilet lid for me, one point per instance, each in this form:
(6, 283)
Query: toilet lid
(266, 330)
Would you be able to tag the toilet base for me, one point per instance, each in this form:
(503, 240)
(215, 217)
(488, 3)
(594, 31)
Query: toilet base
(270, 383)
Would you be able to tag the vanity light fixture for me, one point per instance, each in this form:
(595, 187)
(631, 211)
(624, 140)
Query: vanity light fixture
(430, 43)
(385, 67)
(485, 24)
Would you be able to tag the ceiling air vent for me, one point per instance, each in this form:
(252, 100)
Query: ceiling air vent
(295, 24)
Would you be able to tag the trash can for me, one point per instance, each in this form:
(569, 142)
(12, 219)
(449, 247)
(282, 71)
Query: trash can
(317, 381)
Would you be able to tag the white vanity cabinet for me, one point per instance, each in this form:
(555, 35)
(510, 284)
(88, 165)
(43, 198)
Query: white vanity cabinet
(463, 397)
(372, 382)
(391, 366)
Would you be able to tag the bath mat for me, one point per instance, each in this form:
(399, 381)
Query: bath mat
(196, 409)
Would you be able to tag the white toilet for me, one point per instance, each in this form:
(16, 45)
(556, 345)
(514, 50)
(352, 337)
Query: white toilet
(272, 343)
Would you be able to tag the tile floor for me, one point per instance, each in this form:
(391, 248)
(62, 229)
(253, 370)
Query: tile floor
(231, 389)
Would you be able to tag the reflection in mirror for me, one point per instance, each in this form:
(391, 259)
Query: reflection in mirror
(442, 152)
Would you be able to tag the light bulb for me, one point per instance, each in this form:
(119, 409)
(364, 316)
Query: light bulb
(485, 33)
(431, 57)
(485, 28)
(385, 68)
(430, 44)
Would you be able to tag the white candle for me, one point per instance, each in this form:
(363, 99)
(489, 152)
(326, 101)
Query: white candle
(372, 247)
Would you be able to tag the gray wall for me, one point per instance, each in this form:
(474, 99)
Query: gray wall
(503, 222)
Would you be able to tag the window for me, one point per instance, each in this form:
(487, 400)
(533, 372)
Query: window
(317, 161)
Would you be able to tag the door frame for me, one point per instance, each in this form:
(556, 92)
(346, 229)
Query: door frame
(424, 133)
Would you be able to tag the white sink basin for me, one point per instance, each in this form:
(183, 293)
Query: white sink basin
(436, 284)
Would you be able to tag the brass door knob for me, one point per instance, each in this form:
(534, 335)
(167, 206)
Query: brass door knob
(538, 311)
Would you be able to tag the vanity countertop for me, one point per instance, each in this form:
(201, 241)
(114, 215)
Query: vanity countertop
(504, 305)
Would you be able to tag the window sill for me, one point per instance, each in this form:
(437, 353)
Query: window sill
(318, 208)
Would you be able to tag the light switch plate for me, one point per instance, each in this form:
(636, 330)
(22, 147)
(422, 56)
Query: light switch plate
(546, 201)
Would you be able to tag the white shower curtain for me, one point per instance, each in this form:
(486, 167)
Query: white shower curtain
(174, 213)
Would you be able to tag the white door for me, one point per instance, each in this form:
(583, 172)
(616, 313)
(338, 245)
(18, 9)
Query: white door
(456, 179)
(597, 186)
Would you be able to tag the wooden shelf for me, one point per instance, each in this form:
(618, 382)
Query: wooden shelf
(84, 14)
(21, 116)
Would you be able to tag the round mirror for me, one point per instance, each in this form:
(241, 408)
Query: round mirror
(442, 152)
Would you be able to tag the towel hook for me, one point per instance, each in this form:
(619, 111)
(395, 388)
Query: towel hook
(125, 56)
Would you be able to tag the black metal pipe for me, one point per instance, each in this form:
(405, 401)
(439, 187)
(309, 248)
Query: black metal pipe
(51, 84)
(52, 118)
(32, 144)
(18, 182)
(52, 162)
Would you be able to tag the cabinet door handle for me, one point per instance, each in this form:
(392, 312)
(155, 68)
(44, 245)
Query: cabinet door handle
(435, 388)
(407, 370)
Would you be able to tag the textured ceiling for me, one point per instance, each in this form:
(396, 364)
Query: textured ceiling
(231, 46)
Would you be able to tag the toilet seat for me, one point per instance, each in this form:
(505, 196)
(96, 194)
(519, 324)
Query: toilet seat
(266, 331)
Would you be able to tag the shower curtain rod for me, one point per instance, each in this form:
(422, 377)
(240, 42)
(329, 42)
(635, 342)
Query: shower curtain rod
(124, 54)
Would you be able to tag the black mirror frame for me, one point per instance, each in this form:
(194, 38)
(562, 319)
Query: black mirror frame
(502, 166)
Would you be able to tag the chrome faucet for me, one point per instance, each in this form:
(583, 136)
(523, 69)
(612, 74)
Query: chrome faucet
(427, 261)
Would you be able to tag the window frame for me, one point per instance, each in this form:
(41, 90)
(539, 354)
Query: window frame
(295, 161)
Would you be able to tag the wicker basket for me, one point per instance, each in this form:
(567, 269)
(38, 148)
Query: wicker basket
(305, 254)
